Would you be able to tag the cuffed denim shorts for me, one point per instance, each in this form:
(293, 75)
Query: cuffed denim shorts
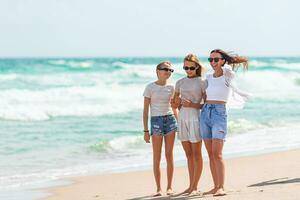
(162, 125)
(213, 121)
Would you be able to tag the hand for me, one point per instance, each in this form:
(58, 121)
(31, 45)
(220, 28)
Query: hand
(175, 103)
(147, 137)
(186, 103)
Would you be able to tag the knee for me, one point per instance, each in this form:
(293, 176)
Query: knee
(210, 155)
(169, 155)
(156, 164)
(189, 154)
(197, 156)
(156, 158)
(217, 155)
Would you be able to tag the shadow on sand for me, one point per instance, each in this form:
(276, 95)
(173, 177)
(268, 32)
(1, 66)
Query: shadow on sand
(173, 197)
(284, 180)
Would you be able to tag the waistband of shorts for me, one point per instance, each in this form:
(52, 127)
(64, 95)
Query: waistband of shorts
(163, 116)
(214, 105)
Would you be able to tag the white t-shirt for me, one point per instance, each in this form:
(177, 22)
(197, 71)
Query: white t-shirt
(191, 88)
(160, 97)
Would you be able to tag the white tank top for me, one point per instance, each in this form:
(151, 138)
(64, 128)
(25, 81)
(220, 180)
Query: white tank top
(223, 89)
(218, 88)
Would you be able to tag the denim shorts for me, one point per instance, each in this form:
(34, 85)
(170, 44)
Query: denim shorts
(162, 125)
(213, 121)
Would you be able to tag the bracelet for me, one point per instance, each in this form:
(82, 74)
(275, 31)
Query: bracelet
(146, 131)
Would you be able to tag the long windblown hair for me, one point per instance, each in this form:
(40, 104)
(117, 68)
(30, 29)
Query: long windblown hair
(233, 59)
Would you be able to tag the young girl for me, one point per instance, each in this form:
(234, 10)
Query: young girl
(188, 96)
(158, 95)
(213, 120)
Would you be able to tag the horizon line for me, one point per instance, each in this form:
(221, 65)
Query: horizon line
(95, 57)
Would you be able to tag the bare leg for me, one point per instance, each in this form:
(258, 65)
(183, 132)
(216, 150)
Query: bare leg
(156, 146)
(209, 148)
(220, 166)
(169, 144)
(187, 146)
(198, 164)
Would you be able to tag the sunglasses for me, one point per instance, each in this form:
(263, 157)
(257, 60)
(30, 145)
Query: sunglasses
(166, 69)
(215, 59)
(188, 68)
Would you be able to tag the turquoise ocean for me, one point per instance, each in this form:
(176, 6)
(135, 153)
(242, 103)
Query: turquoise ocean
(62, 117)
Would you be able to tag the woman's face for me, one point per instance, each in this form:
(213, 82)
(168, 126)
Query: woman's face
(164, 72)
(190, 68)
(216, 60)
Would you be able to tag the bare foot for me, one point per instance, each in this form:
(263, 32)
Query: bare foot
(220, 192)
(170, 192)
(187, 191)
(212, 191)
(194, 193)
(158, 194)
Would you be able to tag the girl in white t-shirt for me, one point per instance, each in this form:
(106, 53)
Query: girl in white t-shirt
(157, 96)
(189, 94)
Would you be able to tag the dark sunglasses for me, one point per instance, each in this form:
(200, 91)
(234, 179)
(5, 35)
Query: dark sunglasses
(215, 59)
(189, 68)
(166, 69)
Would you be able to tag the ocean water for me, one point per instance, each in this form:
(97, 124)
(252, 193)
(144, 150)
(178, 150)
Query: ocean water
(74, 116)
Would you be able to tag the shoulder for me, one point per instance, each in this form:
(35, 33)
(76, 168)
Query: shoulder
(208, 76)
(150, 86)
(227, 68)
(203, 82)
(170, 86)
(180, 81)
(227, 71)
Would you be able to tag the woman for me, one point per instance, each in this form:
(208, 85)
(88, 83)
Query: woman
(213, 119)
(158, 95)
(189, 92)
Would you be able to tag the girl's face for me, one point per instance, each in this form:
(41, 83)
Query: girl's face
(164, 72)
(190, 68)
(216, 60)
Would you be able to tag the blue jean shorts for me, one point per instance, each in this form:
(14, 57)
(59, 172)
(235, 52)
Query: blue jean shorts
(213, 121)
(162, 125)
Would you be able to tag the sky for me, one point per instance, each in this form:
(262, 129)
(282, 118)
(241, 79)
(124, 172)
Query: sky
(111, 28)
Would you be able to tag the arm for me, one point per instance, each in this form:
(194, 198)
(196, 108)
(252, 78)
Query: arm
(174, 105)
(175, 113)
(203, 91)
(176, 101)
(204, 99)
(188, 103)
(145, 119)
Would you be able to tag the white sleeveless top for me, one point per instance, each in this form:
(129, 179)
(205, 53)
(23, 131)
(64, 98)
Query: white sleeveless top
(222, 89)
(216, 88)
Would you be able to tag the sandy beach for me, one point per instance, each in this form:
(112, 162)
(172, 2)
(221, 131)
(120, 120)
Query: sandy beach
(266, 176)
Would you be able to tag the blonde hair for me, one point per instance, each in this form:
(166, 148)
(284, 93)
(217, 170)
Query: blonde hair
(193, 58)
